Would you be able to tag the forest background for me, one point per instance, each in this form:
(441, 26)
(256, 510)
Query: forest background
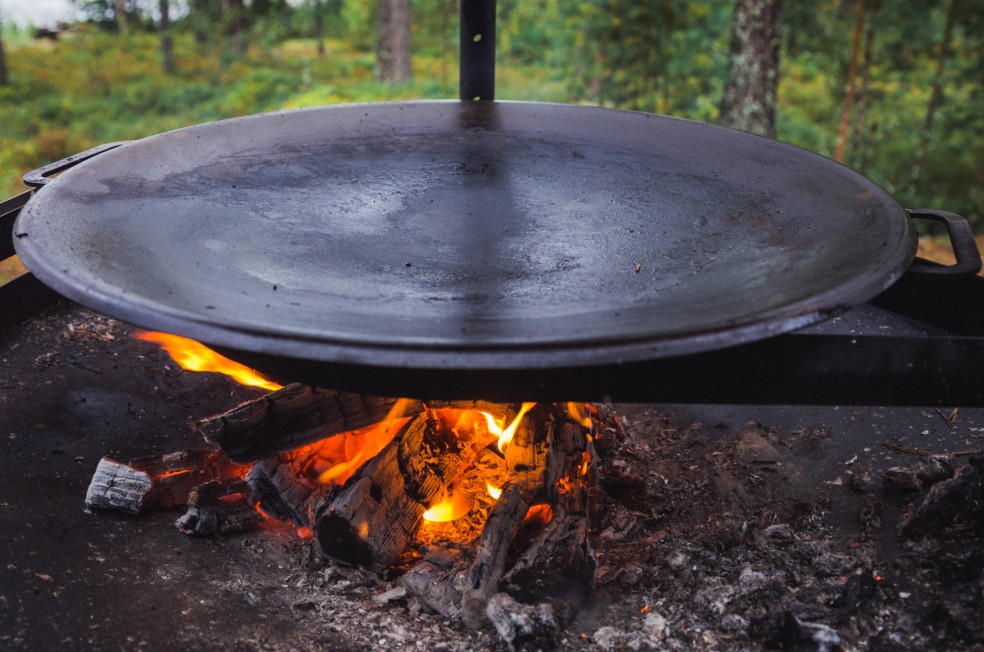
(892, 87)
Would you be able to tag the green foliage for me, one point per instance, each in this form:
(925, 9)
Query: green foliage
(667, 56)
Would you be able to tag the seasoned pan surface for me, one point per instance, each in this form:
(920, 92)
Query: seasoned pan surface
(465, 236)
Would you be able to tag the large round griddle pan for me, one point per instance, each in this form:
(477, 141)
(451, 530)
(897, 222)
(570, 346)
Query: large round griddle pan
(484, 240)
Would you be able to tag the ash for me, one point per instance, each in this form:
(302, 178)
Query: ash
(714, 532)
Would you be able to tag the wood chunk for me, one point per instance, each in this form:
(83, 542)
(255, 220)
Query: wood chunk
(433, 581)
(282, 490)
(375, 516)
(291, 417)
(552, 462)
(118, 486)
(176, 475)
(220, 507)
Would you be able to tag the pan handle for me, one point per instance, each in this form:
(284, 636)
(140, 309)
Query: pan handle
(38, 178)
(961, 240)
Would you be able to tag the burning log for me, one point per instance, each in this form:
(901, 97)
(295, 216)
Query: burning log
(551, 462)
(289, 418)
(374, 517)
(297, 415)
(220, 507)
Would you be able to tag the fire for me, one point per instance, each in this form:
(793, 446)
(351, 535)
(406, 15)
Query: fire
(579, 412)
(541, 513)
(348, 451)
(453, 507)
(194, 356)
(493, 490)
(505, 436)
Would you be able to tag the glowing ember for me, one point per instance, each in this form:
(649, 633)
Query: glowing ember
(453, 507)
(194, 356)
(541, 513)
(585, 462)
(493, 490)
(505, 436)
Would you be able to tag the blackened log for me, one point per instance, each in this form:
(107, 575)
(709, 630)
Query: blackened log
(175, 475)
(282, 489)
(550, 462)
(220, 507)
(117, 486)
(432, 581)
(376, 515)
(291, 417)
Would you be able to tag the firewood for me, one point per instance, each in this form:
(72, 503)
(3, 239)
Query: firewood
(175, 475)
(551, 459)
(220, 507)
(375, 516)
(432, 580)
(289, 418)
(281, 488)
(117, 486)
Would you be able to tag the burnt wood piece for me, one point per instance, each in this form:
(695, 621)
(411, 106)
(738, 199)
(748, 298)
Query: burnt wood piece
(375, 516)
(175, 475)
(559, 565)
(118, 486)
(432, 580)
(551, 462)
(282, 489)
(220, 507)
(291, 417)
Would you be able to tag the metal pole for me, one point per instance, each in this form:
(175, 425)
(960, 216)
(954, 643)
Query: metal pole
(477, 53)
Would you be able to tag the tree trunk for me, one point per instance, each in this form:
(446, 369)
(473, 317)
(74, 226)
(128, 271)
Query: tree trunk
(852, 71)
(319, 26)
(749, 101)
(120, 7)
(393, 41)
(858, 143)
(3, 59)
(167, 43)
(936, 96)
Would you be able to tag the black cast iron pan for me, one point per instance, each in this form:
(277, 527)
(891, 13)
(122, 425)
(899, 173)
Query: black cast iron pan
(463, 248)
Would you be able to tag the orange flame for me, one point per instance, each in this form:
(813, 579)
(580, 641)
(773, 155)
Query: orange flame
(579, 413)
(541, 512)
(194, 356)
(585, 462)
(453, 507)
(493, 490)
(348, 451)
(506, 436)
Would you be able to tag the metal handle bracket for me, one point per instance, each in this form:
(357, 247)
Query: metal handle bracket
(961, 240)
(41, 176)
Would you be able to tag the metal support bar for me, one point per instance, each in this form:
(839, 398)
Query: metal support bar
(477, 50)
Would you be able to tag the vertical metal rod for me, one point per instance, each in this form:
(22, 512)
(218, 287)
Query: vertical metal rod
(477, 50)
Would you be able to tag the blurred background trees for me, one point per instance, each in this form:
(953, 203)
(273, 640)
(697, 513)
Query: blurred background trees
(892, 88)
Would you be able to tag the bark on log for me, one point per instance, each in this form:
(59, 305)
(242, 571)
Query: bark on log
(300, 414)
(291, 417)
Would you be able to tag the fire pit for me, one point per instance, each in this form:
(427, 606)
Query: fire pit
(638, 273)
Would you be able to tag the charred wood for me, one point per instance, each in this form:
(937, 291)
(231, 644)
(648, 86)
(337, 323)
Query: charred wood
(175, 475)
(376, 515)
(118, 486)
(551, 463)
(289, 418)
(436, 581)
(220, 507)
